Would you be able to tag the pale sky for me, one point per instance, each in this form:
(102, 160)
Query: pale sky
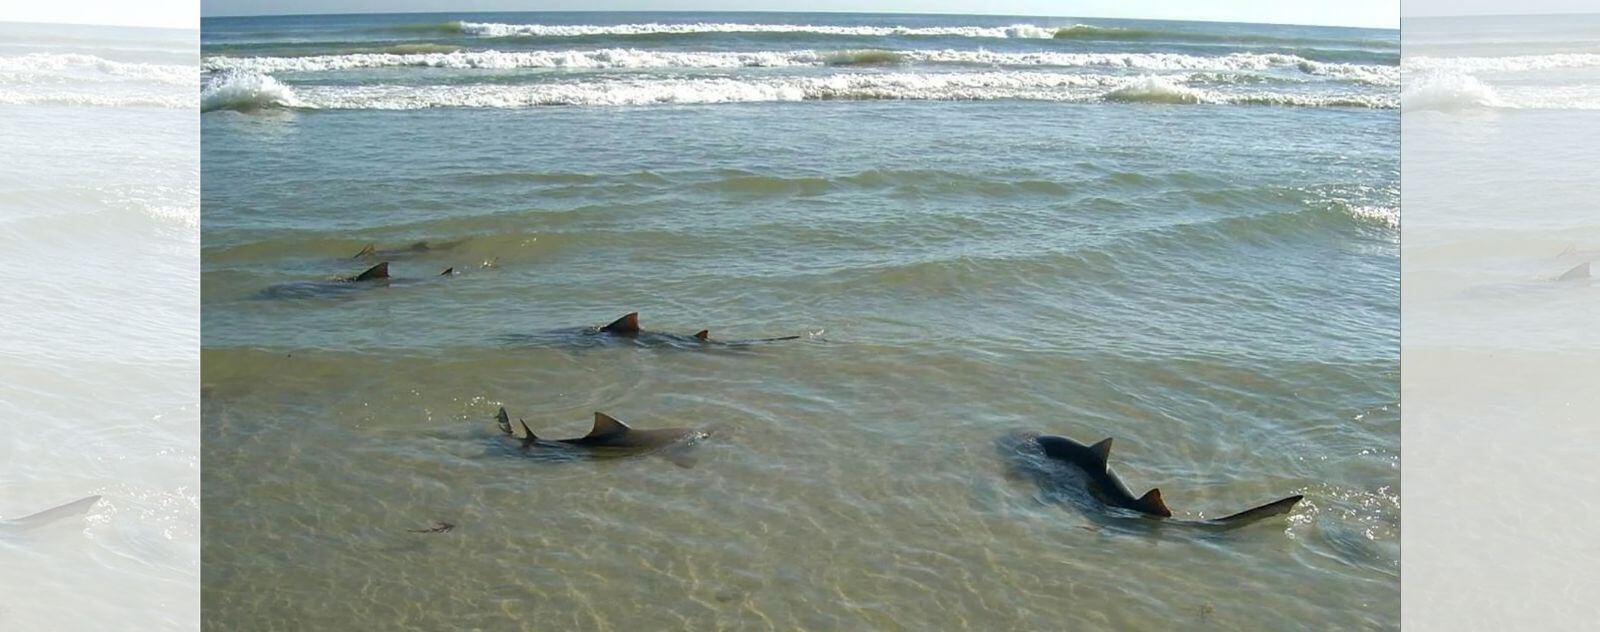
(1421, 8)
(162, 13)
(1370, 13)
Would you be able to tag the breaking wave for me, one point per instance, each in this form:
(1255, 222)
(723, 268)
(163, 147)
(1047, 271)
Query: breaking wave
(74, 68)
(243, 91)
(1514, 63)
(1081, 32)
(620, 58)
(1447, 91)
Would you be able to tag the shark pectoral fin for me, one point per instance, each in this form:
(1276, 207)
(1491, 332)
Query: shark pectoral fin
(1579, 272)
(528, 438)
(448, 272)
(606, 425)
(1103, 450)
(503, 420)
(371, 250)
(1273, 508)
(1151, 500)
(380, 271)
(628, 324)
(703, 335)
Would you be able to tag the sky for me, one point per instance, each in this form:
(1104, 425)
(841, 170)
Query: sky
(1368, 13)
(161, 13)
(1421, 8)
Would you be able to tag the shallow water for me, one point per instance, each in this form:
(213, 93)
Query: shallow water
(1214, 285)
(1500, 357)
(99, 240)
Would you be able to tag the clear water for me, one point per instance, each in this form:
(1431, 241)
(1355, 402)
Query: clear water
(1501, 128)
(99, 241)
(1172, 234)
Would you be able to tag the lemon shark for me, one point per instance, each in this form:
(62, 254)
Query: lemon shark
(373, 277)
(371, 251)
(1102, 484)
(626, 330)
(608, 438)
(48, 516)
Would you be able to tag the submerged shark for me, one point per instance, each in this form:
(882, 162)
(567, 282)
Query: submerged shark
(1090, 462)
(371, 251)
(373, 277)
(48, 516)
(608, 438)
(625, 330)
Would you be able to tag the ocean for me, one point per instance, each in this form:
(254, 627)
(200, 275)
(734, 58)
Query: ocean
(1182, 235)
(1502, 125)
(99, 361)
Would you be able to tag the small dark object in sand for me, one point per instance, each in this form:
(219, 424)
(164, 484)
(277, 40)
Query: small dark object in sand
(439, 526)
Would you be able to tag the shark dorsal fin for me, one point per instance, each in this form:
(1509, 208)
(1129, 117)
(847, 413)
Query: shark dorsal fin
(503, 420)
(380, 271)
(448, 272)
(371, 250)
(1581, 271)
(605, 425)
(628, 324)
(1151, 500)
(1102, 449)
(703, 335)
(528, 438)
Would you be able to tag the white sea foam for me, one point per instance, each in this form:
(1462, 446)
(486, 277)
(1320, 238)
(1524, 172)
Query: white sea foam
(78, 68)
(489, 29)
(1157, 90)
(1446, 91)
(63, 98)
(254, 91)
(1513, 63)
(633, 58)
(245, 91)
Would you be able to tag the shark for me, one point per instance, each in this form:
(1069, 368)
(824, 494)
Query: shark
(1091, 464)
(371, 251)
(48, 516)
(373, 277)
(626, 330)
(609, 438)
(1578, 274)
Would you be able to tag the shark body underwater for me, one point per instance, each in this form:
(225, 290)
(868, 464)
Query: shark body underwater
(48, 516)
(1090, 463)
(371, 251)
(608, 438)
(626, 330)
(374, 277)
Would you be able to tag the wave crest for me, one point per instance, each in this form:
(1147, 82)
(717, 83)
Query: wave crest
(244, 91)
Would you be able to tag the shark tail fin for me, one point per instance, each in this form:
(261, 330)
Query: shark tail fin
(503, 420)
(628, 324)
(703, 335)
(1579, 272)
(605, 425)
(528, 438)
(53, 514)
(380, 271)
(1151, 500)
(421, 246)
(371, 250)
(1280, 506)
